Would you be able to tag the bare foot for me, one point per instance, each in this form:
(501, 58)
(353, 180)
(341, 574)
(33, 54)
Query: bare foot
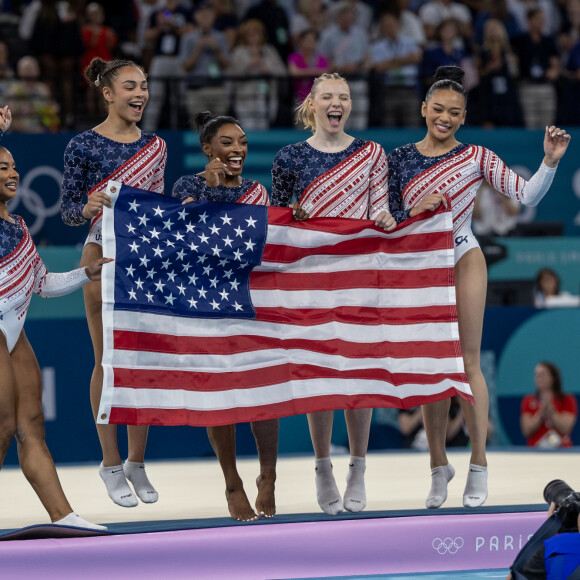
(239, 506)
(265, 502)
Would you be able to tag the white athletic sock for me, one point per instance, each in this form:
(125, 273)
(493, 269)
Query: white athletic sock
(475, 492)
(135, 473)
(355, 497)
(117, 486)
(327, 493)
(440, 477)
(76, 521)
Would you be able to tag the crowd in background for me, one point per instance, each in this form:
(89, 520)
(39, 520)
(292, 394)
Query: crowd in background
(256, 58)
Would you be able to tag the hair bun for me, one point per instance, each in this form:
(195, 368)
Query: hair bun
(201, 119)
(450, 73)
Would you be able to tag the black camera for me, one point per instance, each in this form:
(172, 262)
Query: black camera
(567, 503)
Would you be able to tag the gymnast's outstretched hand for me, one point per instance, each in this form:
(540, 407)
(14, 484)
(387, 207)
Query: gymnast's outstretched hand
(93, 270)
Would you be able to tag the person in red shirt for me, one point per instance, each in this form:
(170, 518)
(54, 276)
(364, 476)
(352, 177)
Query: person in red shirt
(549, 415)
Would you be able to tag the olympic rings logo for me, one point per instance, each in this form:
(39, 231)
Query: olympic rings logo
(33, 201)
(447, 545)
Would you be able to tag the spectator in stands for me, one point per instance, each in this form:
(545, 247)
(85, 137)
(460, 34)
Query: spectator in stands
(166, 29)
(276, 22)
(446, 50)
(204, 56)
(311, 15)
(498, 102)
(226, 20)
(435, 11)
(569, 41)
(144, 47)
(395, 60)
(363, 13)
(346, 46)
(548, 416)
(539, 68)
(548, 292)
(306, 64)
(494, 214)
(99, 41)
(6, 70)
(57, 43)
(570, 30)
(30, 100)
(496, 10)
(255, 101)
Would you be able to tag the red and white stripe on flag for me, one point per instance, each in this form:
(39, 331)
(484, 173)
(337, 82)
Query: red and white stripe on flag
(348, 316)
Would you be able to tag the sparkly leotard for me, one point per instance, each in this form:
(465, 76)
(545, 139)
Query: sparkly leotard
(90, 159)
(195, 186)
(350, 183)
(23, 272)
(458, 174)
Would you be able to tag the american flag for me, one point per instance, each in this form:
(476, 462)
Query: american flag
(223, 313)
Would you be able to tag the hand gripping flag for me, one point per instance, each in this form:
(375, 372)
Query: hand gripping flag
(222, 313)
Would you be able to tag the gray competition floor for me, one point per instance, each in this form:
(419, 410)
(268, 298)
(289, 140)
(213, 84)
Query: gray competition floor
(194, 489)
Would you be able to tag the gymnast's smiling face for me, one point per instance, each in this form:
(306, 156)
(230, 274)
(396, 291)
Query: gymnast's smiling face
(444, 113)
(331, 105)
(9, 177)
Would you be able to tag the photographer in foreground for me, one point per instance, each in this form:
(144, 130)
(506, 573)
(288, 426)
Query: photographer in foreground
(553, 552)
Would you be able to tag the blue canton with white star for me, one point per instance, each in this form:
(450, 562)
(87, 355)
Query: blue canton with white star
(186, 260)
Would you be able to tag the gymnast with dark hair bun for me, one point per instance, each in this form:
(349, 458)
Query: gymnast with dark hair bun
(225, 144)
(422, 176)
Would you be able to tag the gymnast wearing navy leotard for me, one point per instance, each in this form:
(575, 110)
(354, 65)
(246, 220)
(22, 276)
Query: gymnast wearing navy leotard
(114, 150)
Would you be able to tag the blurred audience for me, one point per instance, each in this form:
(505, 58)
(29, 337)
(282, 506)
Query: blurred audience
(539, 68)
(204, 56)
(346, 46)
(521, 57)
(276, 22)
(498, 98)
(57, 42)
(6, 70)
(494, 214)
(395, 60)
(311, 15)
(434, 12)
(549, 415)
(167, 26)
(255, 101)
(548, 291)
(305, 64)
(33, 108)
(99, 41)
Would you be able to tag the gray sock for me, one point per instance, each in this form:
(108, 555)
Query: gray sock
(327, 493)
(135, 473)
(355, 497)
(117, 486)
(475, 492)
(440, 477)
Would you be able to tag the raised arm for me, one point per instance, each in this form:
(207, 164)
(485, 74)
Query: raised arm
(531, 192)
